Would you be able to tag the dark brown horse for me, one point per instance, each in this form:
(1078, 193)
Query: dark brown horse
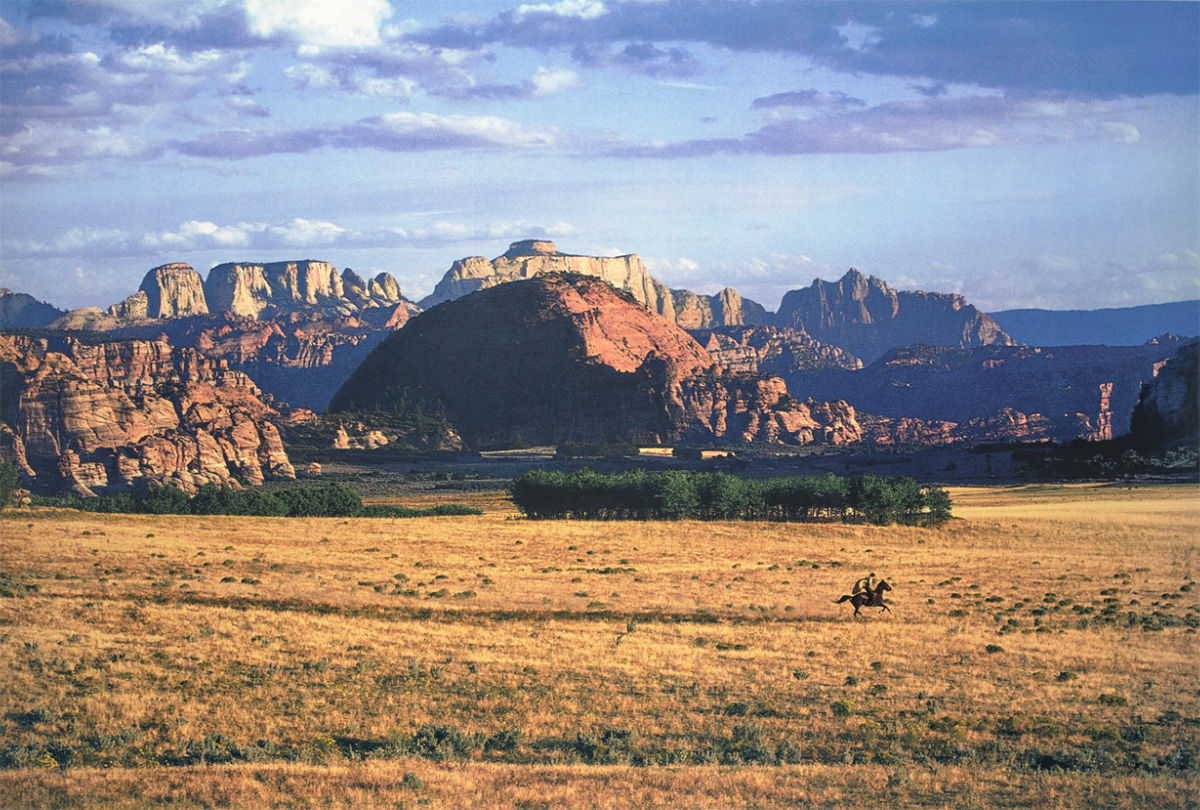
(869, 597)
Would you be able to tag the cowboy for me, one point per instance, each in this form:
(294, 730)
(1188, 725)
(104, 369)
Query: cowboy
(866, 585)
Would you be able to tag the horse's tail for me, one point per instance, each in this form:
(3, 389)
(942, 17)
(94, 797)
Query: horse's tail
(845, 598)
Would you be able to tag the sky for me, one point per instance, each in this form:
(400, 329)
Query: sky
(1029, 154)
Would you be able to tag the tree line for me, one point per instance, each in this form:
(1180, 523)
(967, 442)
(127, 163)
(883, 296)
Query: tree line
(333, 500)
(681, 495)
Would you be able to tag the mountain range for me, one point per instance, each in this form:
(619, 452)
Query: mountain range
(1126, 326)
(539, 346)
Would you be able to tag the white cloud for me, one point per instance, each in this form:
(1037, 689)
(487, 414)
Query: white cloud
(242, 105)
(858, 37)
(91, 244)
(548, 81)
(160, 58)
(478, 130)
(583, 9)
(303, 232)
(1120, 132)
(9, 35)
(52, 145)
(320, 23)
(398, 88)
(197, 235)
(306, 76)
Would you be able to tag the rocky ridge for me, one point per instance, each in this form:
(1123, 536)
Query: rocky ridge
(247, 290)
(530, 258)
(126, 414)
(866, 317)
(993, 393)
(298, 328)
(569, 358)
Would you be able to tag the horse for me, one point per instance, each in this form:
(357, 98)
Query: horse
(870, 597)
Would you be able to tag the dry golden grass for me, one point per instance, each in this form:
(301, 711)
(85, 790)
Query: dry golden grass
(1041, 652)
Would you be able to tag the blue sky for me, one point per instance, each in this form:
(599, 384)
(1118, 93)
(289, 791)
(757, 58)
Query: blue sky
(1028, 154)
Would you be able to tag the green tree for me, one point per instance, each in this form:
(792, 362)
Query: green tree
(10, 482)
(214, 500)
(165, 501)
(676, 495)
(937, 505)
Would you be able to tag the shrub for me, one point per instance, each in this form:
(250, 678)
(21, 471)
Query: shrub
(842, 708)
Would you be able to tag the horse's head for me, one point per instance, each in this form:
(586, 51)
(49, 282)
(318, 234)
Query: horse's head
(882, 586)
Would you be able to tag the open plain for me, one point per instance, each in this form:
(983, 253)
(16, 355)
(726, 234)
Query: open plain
(1040, 652)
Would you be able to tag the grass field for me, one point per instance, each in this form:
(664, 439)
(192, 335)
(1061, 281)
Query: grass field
(1041, 652)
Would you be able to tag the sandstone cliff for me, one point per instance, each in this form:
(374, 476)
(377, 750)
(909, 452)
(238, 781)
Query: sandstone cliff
(128, 413)
(726, 308)
(569, 358)
(169, 291)
(248, 290)
(297, 328)
(264, 290)
(867, 317)
(1168, 409)
(530, 258)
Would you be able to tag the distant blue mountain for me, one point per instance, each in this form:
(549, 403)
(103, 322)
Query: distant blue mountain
(21, 311)
(1127, 326)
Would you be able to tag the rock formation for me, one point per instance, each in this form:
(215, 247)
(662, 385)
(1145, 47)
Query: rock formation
(248, 290)
(570, 358)
(771, 350)
(130, 413)
(174, 291)
(169, 291)
(866, 317)
(1168, 409)
(1005, 425)
(726, 308)
(1017, 392)
(12, 450)
(298, 328)
(265, 290)
(531, 257)
(298, 358)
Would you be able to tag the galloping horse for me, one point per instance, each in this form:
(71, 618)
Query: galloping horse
(869, 597)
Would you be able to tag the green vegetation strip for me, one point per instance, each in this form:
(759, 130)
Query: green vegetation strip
(334, 500)
(680, 495)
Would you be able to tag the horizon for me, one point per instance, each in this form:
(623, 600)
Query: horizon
(772, 310)
(1022, 155)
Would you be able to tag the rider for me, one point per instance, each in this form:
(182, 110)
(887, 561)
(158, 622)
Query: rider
(866, 585)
